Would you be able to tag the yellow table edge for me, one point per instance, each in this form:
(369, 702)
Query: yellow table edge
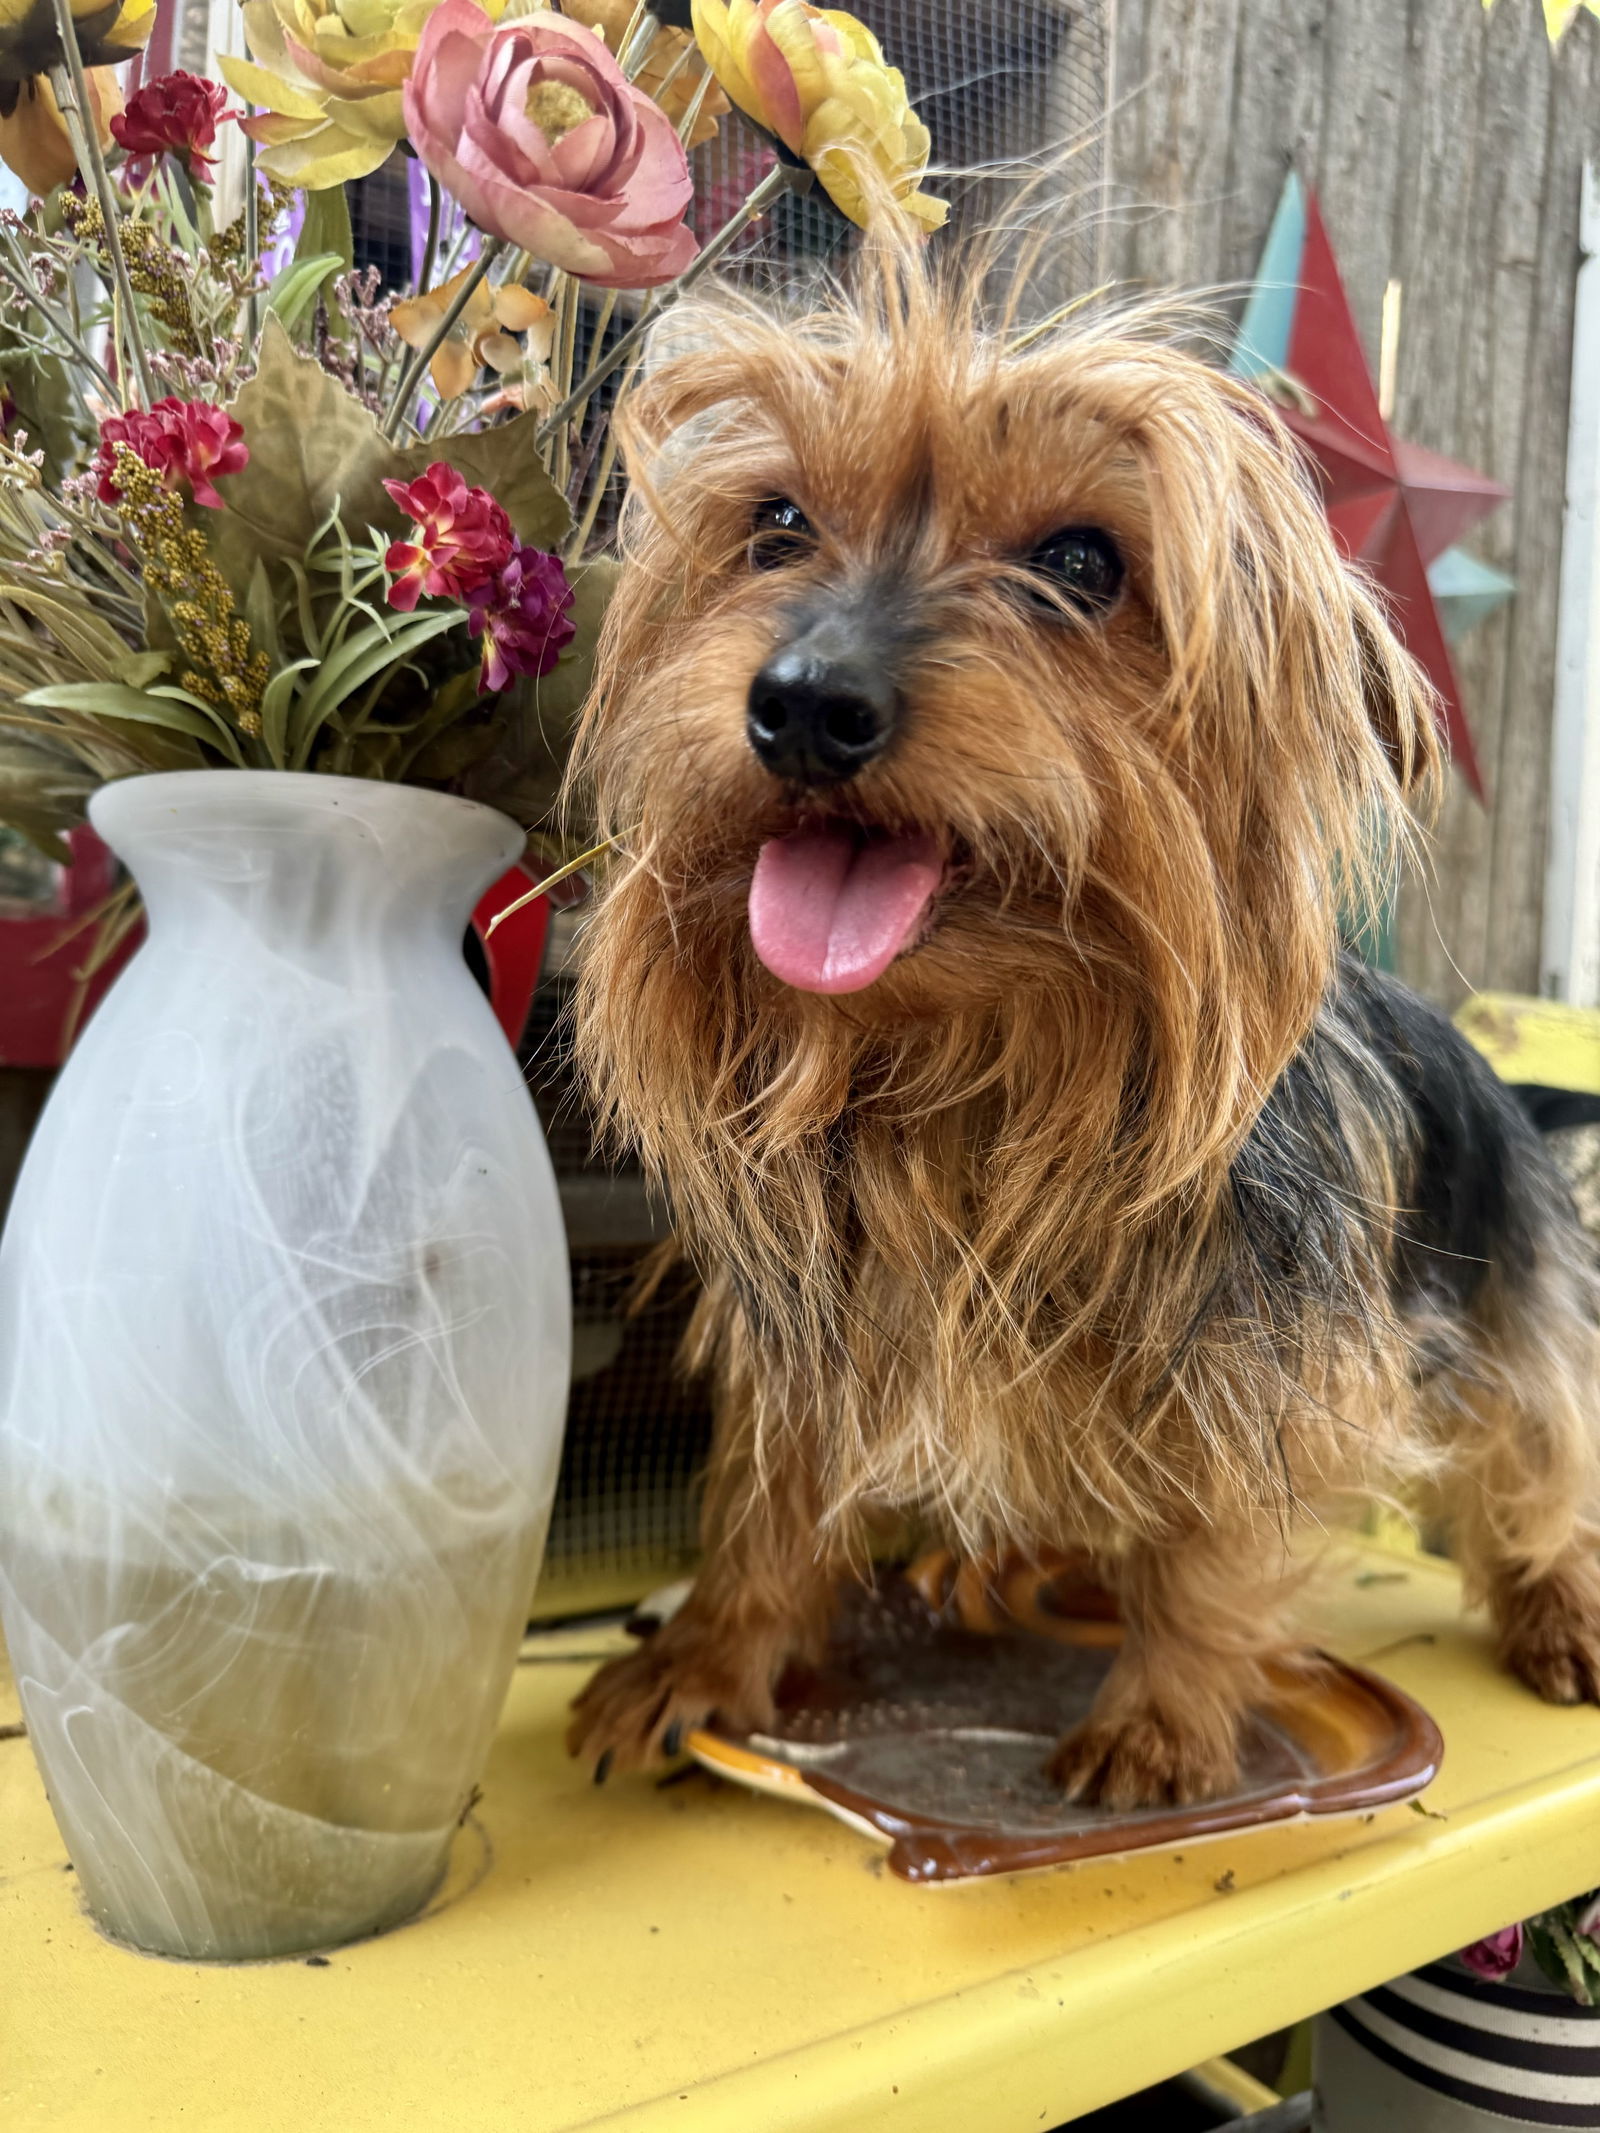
(990, 2056)
(1540, 1043)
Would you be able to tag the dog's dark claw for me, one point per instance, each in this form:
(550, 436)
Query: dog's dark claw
(672, 1739)
(602, 1769)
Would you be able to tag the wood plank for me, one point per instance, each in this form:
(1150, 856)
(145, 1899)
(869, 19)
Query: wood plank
(1177, 188)
(1522, 792)
(1126, 187)
(1439, 248)
(1275, 123)
(1432, 237)
(1498, 349)
(1358, 157)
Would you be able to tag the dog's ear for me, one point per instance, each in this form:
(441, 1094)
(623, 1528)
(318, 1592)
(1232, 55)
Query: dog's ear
(1280, 652)
(1400, 703)
(1333, 609)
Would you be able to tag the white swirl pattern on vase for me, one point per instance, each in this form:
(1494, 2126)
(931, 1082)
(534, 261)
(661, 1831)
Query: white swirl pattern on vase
(284, 1341)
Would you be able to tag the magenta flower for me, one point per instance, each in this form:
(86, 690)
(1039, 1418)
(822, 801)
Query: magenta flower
(522, 618)
(1496, 1955)
(534, 129)
(462, 538)
(184, 440)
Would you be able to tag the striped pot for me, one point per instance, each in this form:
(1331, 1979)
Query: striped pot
(1442, 2051)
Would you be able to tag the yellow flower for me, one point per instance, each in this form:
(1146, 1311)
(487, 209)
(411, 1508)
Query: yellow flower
(818, 79)
(481, 337)
(611, 19)
(33, 135)
(109, 31)
(328, 76)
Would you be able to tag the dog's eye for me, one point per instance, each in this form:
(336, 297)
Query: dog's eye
(780, 533)
(1080, 566)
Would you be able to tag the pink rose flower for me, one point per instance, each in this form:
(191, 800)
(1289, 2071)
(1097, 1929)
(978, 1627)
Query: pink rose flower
(535, 131)
(1496, 1955)
(463, 538)
(186, 440)
(521, 615)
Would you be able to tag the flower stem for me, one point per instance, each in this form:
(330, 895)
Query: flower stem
(550, 881)
(633, 46)
(566, 355)
(783, 178)
(584, 460)
(591, 510)
(71, 88)
(696, 103)
(58, 325)
(689, 52)
(430, 248)
(252, 244)
(416, 369)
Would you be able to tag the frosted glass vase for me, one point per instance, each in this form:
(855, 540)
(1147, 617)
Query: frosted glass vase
(284, 1340)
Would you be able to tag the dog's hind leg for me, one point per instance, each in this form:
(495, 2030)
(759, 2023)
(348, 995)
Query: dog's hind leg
(763, 1595)
(1523, 1484)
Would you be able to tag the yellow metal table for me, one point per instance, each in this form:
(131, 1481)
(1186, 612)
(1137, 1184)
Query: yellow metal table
(639, 1959)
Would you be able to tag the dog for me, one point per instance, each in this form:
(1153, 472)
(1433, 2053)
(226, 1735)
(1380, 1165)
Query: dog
(997, 748)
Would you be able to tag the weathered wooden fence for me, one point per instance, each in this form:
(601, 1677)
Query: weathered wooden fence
(1446, 145)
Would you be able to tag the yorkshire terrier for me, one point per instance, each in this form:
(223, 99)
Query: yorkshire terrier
(998, 747)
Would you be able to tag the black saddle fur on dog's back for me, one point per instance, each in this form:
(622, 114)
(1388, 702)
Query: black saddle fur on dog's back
(1477, 1196)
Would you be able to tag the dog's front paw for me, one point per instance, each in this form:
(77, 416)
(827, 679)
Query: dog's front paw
(1550, 1635)
(638, 1708)
(1143, 1759)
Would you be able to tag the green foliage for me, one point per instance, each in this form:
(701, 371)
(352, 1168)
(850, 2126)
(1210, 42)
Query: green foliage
(44, 403)
(41, 795)
(174, 710)
(325, 229)
(294, 292)
(1563, 1946)
(314, 452)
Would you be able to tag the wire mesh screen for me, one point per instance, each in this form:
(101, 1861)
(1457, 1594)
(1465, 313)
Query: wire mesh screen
(637, 1430)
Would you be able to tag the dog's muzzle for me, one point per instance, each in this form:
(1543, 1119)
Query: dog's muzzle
(825, 705)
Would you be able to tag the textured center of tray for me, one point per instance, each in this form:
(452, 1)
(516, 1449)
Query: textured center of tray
(956, 1725)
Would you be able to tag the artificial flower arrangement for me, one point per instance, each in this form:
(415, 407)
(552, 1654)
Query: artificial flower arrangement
(1564, 1942)
(257, 510)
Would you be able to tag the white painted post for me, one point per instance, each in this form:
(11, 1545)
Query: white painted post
(225, 33)
(1571, 957)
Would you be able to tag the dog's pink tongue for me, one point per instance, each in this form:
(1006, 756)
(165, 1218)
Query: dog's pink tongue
(829, 912)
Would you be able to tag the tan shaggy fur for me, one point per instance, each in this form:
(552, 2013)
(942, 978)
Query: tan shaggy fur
(959, 1229)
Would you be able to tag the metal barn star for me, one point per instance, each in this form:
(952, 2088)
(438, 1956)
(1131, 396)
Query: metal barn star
(1392, 506)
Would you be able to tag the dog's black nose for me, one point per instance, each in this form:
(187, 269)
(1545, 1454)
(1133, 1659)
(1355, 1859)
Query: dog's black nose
(820, 711)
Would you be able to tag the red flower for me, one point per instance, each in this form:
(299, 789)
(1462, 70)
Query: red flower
(177, 114)
(463, 538)
(1496, 1955)
(185, 440)
(521, 615)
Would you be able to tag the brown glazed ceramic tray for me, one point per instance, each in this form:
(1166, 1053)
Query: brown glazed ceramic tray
(943, 1691)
